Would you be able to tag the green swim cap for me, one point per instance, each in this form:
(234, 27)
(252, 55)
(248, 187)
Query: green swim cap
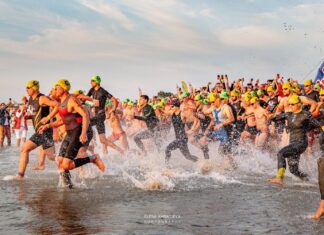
(318, 86)
(131, 103)
(126, 100)
(157, 106)
(205, 101)
(199, 97)
(164, 100)
(260, 92)
(108, 103)
(96, 79)
(253, 94)
(185, 95)
(224, 95)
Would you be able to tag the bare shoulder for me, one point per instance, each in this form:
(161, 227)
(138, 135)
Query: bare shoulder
(74, 101)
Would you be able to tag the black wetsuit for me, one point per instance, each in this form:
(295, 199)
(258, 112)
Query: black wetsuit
(102, 95)
(181, 141)
(204, 124)
(313, 95)
(272, 105)
(152, 131)
(297, 125)
(320, 118)
(38, 112)
(234, 128)
(320, 162)
(71, 144)
(238, 110)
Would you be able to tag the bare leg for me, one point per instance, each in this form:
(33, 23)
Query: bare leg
(104, 149)
(320, 164)
(50, 153)
(41, 160)
(124, 142)
(261, 140)
(104, 140)
(18, 143)
(2, 133)
(24, 157)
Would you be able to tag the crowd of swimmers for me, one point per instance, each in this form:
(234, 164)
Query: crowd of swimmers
(284, 114)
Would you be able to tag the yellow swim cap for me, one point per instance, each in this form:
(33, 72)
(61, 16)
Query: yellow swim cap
(235, 93)
(308, 83)
(78, 92)
(247, 96)
(33, 84)
(65, 84)
(296, 89)
(247, 99)
(270, 88)
(254, 100)
(294, 99)
(286, 85)
(321, 92)
(212, 97)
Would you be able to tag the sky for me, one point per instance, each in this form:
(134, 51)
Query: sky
(155, 44)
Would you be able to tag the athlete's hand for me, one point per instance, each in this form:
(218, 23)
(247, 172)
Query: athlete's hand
(44, 120)
(24, 99)
(218, 126)
(96, 103)
(111, 111)
(42, 129)
(83, 138)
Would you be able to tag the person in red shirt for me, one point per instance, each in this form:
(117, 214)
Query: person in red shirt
(20, 127)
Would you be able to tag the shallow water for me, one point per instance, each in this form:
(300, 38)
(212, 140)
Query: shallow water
(121, 202)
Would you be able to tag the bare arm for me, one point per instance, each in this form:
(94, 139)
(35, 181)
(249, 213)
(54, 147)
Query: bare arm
(195, 125)
(115, 101)
(229, 115)
(280, 107)
(45, 101)
(310, 102)
(74, 104)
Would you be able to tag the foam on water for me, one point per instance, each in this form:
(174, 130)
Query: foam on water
(142, 171)
(9, 177)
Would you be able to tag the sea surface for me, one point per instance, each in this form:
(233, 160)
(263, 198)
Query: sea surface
(140, 195)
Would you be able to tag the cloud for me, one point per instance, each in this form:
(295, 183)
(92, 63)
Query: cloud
(72, 41)
(208, 12)
(251, 37)
(164, 42)
(108, 11)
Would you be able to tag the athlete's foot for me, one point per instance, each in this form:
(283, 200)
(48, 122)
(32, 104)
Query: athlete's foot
(66, 179)
(320, 211)
(18, 177)
(98, 162)
(38, 168)
(275, 181)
